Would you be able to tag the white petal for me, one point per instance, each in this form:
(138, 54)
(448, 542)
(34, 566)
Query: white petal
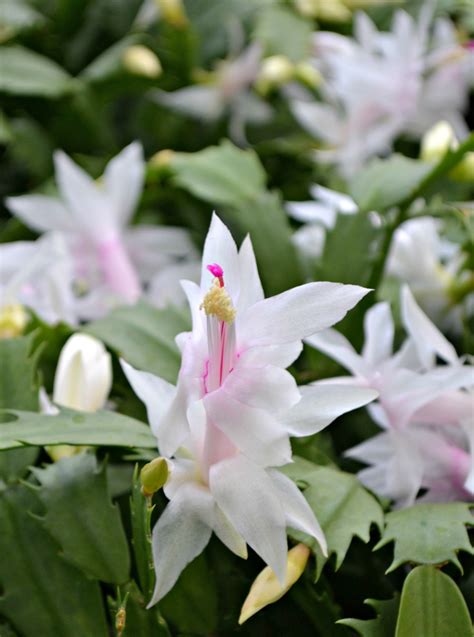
(153, 391)
(298, 313)
(40, 213)
(254, 431)
(247, 496)
(298, 513)
(204, 102)
(379, 333)
(181, 534)
(250, 286)
(228, 535)
(336, 200)
(278, 355)
(165, 288)
(323, 403)
(468, 426)
(220, 248)
(427, 337)
(311, 212)
(123, 181)
(336, 346)
(268, 387)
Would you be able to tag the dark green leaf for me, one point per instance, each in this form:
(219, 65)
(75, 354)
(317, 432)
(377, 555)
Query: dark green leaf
(81, 518)
(431, 604)
(383, 625)
(428, 533)
(144, 337)
(42, 594)
(140, 622)
(103, 428)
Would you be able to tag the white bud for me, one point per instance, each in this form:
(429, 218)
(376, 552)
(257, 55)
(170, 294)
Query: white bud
(84, 374)
(437, 141)
(140, 60)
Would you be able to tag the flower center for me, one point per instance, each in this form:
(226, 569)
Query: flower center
(220, 314)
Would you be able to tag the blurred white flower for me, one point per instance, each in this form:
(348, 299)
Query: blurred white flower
(112, 260)
(381, 84)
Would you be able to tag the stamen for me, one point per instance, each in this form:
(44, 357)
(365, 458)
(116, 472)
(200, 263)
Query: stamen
(218, 303)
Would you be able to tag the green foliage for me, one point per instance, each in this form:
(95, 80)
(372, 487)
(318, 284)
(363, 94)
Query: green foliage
(24, 72)
(18, 390)
(383, 625)
(428, 533)
(41, 593)
(17, 16)
(74, 428)
(432, 605)
(284, 33)
(342, 506)
(80, 517)
(140, 511)
(144, 337)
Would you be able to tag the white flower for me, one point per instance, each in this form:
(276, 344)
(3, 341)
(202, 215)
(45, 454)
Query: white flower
(84, 374)
(381, 84)
(111, 260)
(227, 422)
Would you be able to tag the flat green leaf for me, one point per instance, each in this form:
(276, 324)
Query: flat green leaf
(18, 390)
(385, 182)
(103, 428)
(282, 32)
(221, 175)
(81, 518)
(24, 72)
(342, 506)
(144, 337)
(16, 16)
(140, 622)
(384, 623)
(267, 223)
(41, 593)
(431, 605)
(191, 605)
(109, 62)
(428, 533)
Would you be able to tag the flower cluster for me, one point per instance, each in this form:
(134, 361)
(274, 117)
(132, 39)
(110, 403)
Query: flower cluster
(225, 427)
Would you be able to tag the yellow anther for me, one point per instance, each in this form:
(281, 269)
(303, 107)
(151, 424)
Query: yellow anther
(217, 302)
(13, 320)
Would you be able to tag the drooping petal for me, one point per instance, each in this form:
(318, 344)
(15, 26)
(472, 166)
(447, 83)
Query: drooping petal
(268, 387)
(250, 286)
(334, 344)
(323, 403)
(379, 333)
(41, 213)
(246, 494)
(312, 212)
(220, 248)
(254, 431)
(181, 533)
(123, 181)
(297, 313)
(427, 337)
(298, 513)
(228, 535)
(155, 392)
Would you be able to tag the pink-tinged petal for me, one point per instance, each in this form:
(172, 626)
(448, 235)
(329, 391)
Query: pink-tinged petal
(88, 204)
(118, 270)
(269, 387)
(448, 409)
(153, 391)
(181, 534)
(278, 355)
(246, 495)
(322, 403)
(428, 339)
(336, 346)
(298, 513)
(254, 431)
(123, 181)
(41, 213)
(220, 248)
(379, 332)
(468, 426)
(297, 313)
(251, 290)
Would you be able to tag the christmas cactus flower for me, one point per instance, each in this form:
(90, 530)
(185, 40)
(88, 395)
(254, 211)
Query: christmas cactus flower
(226, 425)
(111, 260)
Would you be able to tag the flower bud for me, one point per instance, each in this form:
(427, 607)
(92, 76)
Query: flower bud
(154, 476)
(275, 71)
(266, 588)
(173, 12)
(437, 141)
(140, 60)
(13, 320)
(305, 72)
(84, 374)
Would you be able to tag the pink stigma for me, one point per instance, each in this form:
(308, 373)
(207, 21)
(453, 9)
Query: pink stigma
(469, 45)
(216, 270)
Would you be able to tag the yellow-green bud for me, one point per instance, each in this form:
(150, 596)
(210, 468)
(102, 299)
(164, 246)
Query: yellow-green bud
(435, 144)
(162, 159)
(266, 588)
(13, 320)
(154, 476)
(120, 621)
(172, 11)
(275, 71)
(305, 72)
(140, 60)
